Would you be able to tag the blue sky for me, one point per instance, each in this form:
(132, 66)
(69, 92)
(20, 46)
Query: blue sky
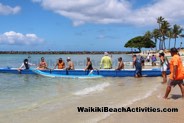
(81, 25)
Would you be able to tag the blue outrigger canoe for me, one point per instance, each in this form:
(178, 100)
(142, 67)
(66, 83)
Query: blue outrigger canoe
(80, 72)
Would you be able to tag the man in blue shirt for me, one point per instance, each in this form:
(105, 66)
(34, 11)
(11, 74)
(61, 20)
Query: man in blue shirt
(138, 66)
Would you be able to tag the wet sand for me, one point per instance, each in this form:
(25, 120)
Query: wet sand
(60, 113)
(155, 101)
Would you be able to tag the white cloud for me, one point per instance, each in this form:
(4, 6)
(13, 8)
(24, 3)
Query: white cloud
(115, 11)
(14, 38)
(6, 10)
(102, 36)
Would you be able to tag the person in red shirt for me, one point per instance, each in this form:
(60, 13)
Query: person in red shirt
(177, 73)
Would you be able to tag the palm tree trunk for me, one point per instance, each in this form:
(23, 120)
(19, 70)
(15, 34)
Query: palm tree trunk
(169, 43)
(164, 44)
(160, 45)
(139, 49)
(155, 44)
(175, 43)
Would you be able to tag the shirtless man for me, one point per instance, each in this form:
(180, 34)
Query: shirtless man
(120, 64)
(70, 64)
(42, 65)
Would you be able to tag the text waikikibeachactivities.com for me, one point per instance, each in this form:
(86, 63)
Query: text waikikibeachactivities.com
(125, 109)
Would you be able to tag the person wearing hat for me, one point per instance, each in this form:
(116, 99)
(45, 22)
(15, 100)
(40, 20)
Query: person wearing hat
(70, 64)
(60, 64)
(176, 73)
(161, 51)
(106, 62)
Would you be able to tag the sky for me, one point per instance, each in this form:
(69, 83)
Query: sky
(81, 25)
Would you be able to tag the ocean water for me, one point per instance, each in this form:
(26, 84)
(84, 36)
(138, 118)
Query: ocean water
(33, 98)
(79, 60)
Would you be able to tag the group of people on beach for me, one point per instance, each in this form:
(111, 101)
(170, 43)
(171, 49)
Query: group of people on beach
(149, 58)
(175, 65)
(43, 64)
(106, 63)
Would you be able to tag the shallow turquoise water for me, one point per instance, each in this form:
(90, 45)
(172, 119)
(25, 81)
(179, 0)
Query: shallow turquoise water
(23, 94)
(79, 60)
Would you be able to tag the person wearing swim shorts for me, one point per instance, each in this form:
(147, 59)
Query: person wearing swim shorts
(177, 73)
(138, 66)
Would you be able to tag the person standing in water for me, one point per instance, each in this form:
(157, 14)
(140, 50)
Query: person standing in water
(26, 65)
(42, 65)
(70, 64)
(106, 62)
(164, 64)
(138, 66)
(142, 60)
(88, 64)
(120, 64)
(177, 73)
(60, 64)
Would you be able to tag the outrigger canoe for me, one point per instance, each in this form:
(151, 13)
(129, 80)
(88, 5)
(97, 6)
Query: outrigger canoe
(80, 72)
(66, 76)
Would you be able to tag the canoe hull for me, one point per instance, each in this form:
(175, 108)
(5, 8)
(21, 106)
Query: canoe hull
(90, 76)
(105, 73)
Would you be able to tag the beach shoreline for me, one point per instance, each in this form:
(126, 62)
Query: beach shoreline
(67, 111)
(154, 101)
(56, 100)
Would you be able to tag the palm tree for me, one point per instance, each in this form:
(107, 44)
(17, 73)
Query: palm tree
(159, 21)
(170, 36)
(156, 35)
(177, 30)
(165, 26)
(181, 36)
(148, 35)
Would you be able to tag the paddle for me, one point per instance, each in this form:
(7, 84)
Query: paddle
(49, 69)
(91, 72)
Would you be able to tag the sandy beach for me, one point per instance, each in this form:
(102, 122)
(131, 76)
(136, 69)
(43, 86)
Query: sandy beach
(155, 101)
(153, 52)
(36, 99)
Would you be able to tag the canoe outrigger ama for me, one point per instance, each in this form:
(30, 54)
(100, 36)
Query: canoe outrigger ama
(80, 72)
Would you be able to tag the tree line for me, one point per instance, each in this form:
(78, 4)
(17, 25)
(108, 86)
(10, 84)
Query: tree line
(164, 32)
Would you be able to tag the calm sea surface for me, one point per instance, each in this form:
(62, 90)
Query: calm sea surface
(26, 97)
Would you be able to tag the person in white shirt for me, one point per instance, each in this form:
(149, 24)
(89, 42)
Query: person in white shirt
(25, 65)
(148, 57)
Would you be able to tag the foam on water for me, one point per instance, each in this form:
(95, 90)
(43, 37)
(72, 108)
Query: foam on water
(134, 100)
(85, 91)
